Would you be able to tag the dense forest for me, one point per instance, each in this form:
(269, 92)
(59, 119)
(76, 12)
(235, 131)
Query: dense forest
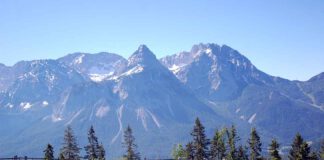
(224, 145)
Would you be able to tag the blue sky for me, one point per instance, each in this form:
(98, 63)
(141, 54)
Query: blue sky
(281, 37)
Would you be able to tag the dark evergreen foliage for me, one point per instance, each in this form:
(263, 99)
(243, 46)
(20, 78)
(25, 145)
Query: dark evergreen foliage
(49, 152)
(190, 155)
(294, 153)
(200, 142)
(218, 148)
(129, 144)
(232, 139)
(299, 149)
(102, 152)
(92, 149)
(242, 153)
(195, 150)
(305, 150)
(274, 150)
(255, 145)
(70, 149)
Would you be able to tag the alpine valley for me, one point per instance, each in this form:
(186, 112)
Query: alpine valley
(158, 98)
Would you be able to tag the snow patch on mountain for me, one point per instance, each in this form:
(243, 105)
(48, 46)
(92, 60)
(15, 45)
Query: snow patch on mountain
(25, 105)
(141, 114)
(238, 110)
(99, 77)
(78, 60)
(56, 118)
(45, 103)
(119, 116)
(208, 51)
(102, 111)
(9, 105)
(169, 106)
(156, 121)
(311, 97)
(74, 117)
(134, 70)
(175, 68)
(270, 95)
(252, 118)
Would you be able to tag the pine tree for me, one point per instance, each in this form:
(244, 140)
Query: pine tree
(200, 142)
(129, 144)
(218, 148)
(102, 152)
(92, 149)
(178, 152)
(190, 155)
(232, 139)
(294, 153)
(299, 149)
(242, 153)
(305, 151)
(49, 153)
(273, 150)
(70, 149)
(255, 145)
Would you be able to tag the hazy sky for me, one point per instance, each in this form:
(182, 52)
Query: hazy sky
(281, 37)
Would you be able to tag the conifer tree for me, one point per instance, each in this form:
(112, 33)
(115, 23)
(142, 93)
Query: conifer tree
(305, 151)
(294, 153)
(200, 142)
(102, 152)
(232, 140)
(299, 149)
(178, 152)
(273, 150)
(70, 149)
(242, 153)
(92, 149)
(255, 145)
(49, 153)
(129, 144)
(190, 155)
(218, 148)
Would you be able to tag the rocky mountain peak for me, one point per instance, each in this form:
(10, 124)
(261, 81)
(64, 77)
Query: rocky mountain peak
(143, 55)
(208, 47)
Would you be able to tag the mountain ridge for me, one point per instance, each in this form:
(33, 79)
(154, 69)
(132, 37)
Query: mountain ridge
(158, 97)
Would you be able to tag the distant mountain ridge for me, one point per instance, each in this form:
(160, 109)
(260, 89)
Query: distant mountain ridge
(159, 98)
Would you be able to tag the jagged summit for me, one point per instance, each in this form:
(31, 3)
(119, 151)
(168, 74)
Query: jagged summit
(97, 66)
(157, 98)
(143, 55)
(226, 71)
(204, 47)
(143, 48)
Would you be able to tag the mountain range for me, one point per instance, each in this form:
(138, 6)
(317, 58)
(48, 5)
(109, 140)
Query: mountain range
(158, 98)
